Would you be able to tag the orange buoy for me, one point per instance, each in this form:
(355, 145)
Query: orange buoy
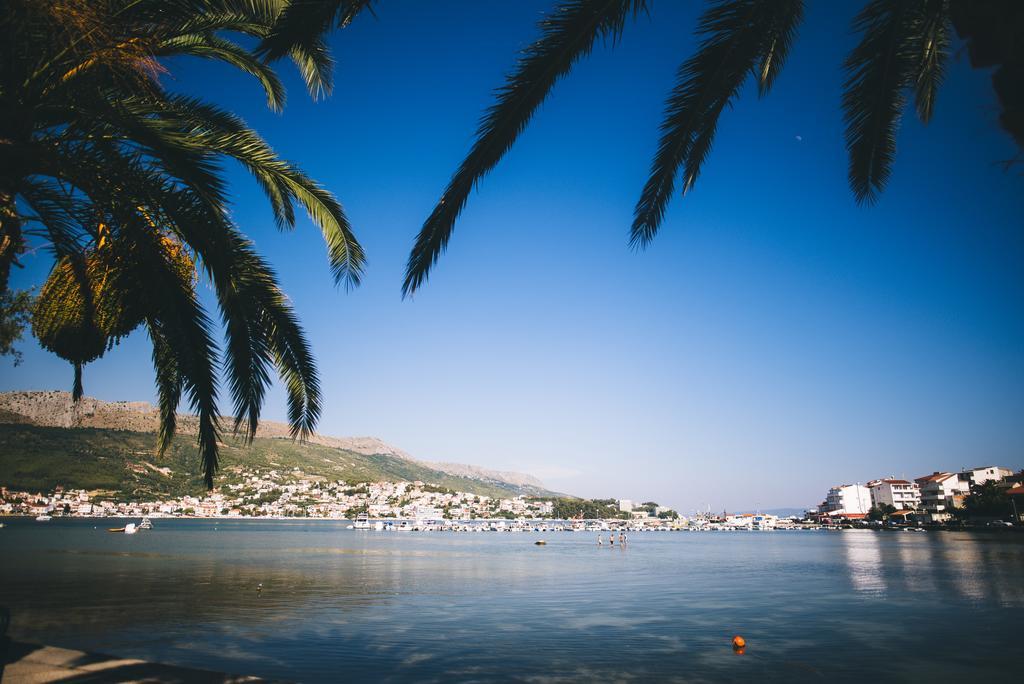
(738, 643)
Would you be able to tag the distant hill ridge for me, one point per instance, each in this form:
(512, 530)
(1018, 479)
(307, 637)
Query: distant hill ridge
(56, 409)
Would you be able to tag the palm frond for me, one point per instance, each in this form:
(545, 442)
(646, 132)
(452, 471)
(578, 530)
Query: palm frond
(316, 67)
(168, 385)
(567, 35)
(218, 131)
(101, 125)
(294, 360)
(932, 50)
(179, 318)
(58, 214)
(893, 56)
(261, 327)
(740, 38)
(210, 46)
(303, 22)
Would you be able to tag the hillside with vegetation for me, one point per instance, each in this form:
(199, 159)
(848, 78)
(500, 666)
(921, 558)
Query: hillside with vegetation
(370, 459)
(124, 464)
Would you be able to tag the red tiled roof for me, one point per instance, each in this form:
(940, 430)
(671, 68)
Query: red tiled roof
(1016, 491)
(935, 477)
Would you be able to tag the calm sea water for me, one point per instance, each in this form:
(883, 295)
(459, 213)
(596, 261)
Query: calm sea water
(393, 606)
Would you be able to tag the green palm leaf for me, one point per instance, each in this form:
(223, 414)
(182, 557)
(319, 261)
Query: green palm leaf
(903, 46)
(302, 22)
(210, 46)
(567, 35)
(168, 385)
(741, 38)
(120, 176)
(932, 50)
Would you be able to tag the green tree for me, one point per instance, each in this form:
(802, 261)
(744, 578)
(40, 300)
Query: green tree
(122, 181)
(589, 509)
(15, 312)
(881, 512)
(988, 500)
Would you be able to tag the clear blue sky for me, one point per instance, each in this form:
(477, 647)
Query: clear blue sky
(774, 340)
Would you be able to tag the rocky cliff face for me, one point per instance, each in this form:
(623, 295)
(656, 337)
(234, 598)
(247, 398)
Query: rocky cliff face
(56, 409)
(478, 473)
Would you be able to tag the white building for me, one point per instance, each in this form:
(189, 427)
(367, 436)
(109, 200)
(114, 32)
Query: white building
(625, 505)
(899, 494)
(979, 476)
(942, 492)
(848, 498)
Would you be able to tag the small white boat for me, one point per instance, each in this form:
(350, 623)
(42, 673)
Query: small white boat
(379, 526)
(43, 518)
(362, 522)
(145, 524)
(130, 528)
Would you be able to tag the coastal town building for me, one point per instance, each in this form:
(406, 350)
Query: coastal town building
(941, 493)
(751, 521)
(976, 477)
(900, 494)
(847, 499)
(273, 493)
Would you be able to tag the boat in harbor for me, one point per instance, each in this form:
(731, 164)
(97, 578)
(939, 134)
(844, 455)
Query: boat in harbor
(362, 522)
(130, 528)
(44, 518)
(146, 524)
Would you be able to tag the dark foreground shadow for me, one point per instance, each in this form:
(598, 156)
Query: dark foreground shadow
(22, 662)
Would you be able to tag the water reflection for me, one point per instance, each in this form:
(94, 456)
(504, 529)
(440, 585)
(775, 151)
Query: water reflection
(448, 607)
(864, 560)
(971, 567)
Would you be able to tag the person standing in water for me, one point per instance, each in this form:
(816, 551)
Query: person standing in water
(611, 538)
(622, 538)
(599, 540)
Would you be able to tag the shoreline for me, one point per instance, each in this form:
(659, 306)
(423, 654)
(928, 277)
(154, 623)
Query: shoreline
(532, 525)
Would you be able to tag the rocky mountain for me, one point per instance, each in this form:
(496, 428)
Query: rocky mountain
(56, 409)
(478, 473)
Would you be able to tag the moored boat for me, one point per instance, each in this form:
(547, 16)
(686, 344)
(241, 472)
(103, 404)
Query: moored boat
(43, 518)
(362, 522)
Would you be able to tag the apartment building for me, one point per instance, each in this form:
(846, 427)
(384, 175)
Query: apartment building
(942, 492)
(979, 476)
(900, 494)
(848, 498)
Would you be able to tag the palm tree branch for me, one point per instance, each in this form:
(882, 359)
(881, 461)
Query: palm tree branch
(879, 71)
(567, 35)
(740, 37)
(210, 46)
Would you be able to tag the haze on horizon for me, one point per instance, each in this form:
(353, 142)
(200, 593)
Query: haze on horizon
(774, 340)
